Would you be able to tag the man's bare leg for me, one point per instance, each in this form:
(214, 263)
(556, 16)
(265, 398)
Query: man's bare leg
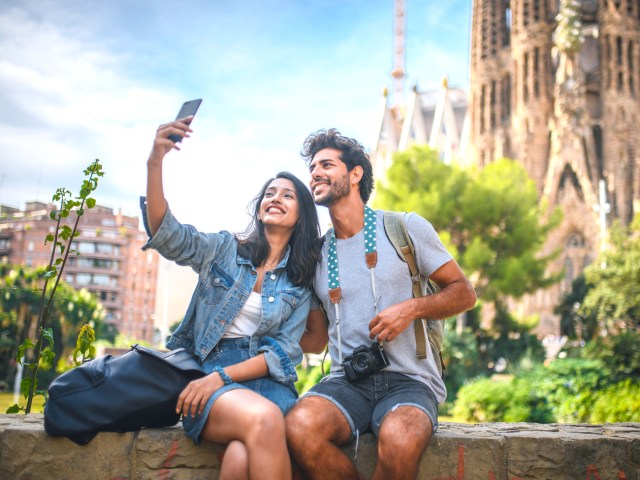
(316, 429)
(404, 435)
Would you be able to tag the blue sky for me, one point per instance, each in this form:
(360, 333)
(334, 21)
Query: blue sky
(81, 80)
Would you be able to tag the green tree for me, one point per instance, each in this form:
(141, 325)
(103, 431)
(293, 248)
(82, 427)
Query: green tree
(614, 297)
(71, 309)
(20, 293)
(490, 218)
(574, 323)
(568, 35)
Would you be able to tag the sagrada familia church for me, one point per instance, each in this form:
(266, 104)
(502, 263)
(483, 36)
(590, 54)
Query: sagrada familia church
(555, 85)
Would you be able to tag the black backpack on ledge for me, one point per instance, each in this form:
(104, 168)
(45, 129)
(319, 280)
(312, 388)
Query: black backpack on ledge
(119, 394)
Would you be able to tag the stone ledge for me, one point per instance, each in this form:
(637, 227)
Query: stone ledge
(492, 451)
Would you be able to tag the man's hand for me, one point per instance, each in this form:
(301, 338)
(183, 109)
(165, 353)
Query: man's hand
(392, 321)
(195, 395)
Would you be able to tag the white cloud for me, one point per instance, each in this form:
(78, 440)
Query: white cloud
(86, 80)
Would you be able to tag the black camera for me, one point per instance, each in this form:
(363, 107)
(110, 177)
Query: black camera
(365, 361)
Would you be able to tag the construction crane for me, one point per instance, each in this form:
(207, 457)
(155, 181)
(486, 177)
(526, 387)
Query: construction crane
(398, 72)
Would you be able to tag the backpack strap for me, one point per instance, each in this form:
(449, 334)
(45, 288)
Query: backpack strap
(396, 229)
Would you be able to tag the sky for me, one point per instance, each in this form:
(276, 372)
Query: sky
(83, 80)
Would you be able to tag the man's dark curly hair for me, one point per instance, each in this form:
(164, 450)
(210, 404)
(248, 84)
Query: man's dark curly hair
(352, 155)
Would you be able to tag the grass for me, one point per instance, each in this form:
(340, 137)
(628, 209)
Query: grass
(7, 400)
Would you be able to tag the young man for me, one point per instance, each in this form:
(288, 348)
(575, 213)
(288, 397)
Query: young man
(365, 289)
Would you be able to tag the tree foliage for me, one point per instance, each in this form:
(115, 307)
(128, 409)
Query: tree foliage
(71, 309)
(614, 297)
(490, 219)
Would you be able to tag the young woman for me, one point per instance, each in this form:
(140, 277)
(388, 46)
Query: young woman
(246, 316)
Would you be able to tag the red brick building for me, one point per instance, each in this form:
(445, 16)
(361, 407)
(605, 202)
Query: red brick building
(111, 264)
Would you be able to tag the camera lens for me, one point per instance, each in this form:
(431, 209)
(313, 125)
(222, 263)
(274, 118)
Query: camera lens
(361, 362)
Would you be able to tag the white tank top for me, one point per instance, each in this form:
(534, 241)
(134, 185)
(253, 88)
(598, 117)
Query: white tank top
(248, 319)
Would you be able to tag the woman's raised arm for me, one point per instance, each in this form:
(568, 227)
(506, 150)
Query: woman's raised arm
(156, 202)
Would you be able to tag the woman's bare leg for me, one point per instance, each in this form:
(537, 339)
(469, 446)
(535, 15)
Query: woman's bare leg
(258, 423)
(235, 463)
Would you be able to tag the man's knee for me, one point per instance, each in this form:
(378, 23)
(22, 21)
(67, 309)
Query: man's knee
(405, 429)
(316, 419)
(301, 419)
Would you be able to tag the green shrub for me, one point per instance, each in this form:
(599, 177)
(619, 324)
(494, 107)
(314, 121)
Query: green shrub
(489, 400)
(309, 376)
(461, 359)
(618, 403)
(569, 385)
(620, 354)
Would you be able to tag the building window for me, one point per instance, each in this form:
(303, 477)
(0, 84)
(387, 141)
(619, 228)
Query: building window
(569, 274)
(536, 72)
(102, 280)
(619, 50)
(482, 104)
(507, 32)
(632, 68)
(85, 247)
(492, 106)
(104, 248)
(575, 240)
(525, 77)
(505, 102)
(607, 42)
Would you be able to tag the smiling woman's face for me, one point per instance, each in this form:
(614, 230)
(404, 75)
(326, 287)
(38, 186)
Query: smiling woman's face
(279, 206)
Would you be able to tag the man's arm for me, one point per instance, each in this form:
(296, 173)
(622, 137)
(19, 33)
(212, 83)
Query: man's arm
(316, 334)
(456, 295)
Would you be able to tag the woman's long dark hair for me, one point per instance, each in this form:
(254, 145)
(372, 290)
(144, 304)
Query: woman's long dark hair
(305, 241)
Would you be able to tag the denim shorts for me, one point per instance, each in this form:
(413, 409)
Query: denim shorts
(229, 352)
(366, 401)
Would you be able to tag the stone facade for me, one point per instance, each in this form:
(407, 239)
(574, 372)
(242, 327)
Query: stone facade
(560, 93)
(492, 451)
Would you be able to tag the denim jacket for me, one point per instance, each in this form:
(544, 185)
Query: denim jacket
(225, 281)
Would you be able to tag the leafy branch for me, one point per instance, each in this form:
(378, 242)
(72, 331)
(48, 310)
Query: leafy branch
(61, 242)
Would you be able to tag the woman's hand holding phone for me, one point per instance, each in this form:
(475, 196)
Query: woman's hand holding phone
(187, 110)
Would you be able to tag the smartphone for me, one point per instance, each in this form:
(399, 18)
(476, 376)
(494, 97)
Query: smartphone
(188, 108)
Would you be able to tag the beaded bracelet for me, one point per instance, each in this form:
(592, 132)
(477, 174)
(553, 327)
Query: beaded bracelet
(223, 376)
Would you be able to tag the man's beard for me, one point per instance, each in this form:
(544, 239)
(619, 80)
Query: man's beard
(336, 191)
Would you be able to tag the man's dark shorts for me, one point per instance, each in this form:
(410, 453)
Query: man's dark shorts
(366, 401)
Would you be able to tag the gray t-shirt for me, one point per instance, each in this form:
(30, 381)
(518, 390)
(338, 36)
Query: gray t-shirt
(392, 284)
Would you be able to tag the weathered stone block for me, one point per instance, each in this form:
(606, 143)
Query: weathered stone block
(492, 451)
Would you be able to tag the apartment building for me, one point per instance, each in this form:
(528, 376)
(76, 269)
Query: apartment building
(110, 263)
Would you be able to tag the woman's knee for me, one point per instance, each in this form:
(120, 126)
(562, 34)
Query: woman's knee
(266, 417)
